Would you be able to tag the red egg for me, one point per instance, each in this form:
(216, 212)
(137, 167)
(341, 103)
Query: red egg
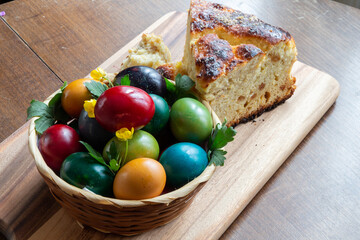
(58, 142)
(124, 106)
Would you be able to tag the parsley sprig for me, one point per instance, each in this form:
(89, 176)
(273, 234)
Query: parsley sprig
(48, 114)
(181, 88)
(125, 80)
(96, 88)
(116, 160)
(220, 136)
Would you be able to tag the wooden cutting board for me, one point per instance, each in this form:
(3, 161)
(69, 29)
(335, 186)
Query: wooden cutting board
(259, 149)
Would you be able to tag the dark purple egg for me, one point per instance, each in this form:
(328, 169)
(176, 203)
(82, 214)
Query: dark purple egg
(91, 132)
(145, 78)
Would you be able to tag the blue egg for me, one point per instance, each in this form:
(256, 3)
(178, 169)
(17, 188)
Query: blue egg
(183, 162)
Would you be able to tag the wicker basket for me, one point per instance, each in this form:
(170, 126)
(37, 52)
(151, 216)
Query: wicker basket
(110, 215)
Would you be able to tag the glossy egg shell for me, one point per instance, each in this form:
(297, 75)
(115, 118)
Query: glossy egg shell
(190, 121)
(124, 106)
(140, 178)
(142, 144)
(145, 78)
(83, 171)
(73, 97)
(58, 142)
(183, 162)
(161, 115)
(92, 132)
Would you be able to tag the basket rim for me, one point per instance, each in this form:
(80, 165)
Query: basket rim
(75, 191)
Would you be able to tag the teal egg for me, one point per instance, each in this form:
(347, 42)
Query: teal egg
(183, 162)
(161, 115)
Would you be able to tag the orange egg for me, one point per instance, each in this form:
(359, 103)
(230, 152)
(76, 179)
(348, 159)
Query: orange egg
(140, 178)
(73, 97)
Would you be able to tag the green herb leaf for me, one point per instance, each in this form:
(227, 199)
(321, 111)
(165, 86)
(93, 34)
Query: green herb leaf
(43, 123)
(63, 86)
(181, 88)
(48, 114)
(38, 109)
(177, 78)
(113, 152)
(95, 88)
(114, 165)
(57, 111)
(170, 96)
(55, 100)
(96, 155)
(220, 136)
(125, 80)
(217, 157)
(184, 82)
(170, 86)
(114, 155)
(45, 114)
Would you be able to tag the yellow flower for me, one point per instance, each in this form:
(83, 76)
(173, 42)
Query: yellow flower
(98, 74)
(124, 134)
(178, 65)
(89, 106)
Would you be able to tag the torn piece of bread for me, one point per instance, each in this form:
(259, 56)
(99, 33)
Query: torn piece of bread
(240, 64)
(170, 70)
(151, 52)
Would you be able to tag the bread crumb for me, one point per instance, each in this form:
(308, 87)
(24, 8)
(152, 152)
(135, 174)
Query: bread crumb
(151, 52)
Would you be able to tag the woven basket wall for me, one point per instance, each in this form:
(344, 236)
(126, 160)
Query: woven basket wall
(124, 217)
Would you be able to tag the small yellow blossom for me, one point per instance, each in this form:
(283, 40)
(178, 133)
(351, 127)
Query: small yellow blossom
(98, 74)
(124, 134)
(89, 106)
(178, 65)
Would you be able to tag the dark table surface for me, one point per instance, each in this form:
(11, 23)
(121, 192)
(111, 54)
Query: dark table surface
(314, 195)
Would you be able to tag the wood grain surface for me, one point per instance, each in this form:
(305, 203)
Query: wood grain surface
(26, 202)
(210, 214)
(315, 194)
(23, 77)
(80, 35)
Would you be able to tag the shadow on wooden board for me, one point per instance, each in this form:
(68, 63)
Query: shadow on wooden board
(353, 3)
(4, 1)
(2, 237)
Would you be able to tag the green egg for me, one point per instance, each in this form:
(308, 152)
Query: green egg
(142, 144)
(190, 121)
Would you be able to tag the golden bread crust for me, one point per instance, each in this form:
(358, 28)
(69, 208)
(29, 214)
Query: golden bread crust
(167, 71)
(215, 57)
(207, 15)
